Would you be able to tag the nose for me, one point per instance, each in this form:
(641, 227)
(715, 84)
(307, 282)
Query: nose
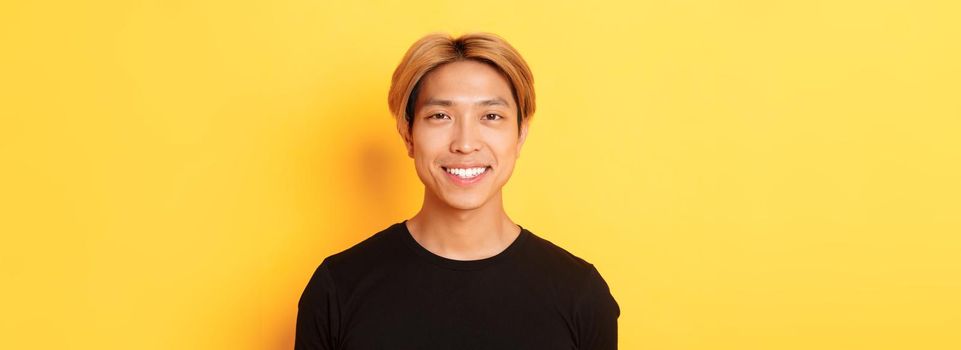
(466, 137)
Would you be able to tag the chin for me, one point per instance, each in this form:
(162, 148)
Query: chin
(465, 202)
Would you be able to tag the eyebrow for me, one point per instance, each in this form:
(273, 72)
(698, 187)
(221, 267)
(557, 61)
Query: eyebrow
(447, 103)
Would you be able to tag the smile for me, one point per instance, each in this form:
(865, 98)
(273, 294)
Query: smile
(467, 173)
(466, 176)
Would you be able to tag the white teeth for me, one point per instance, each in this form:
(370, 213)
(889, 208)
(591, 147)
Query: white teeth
(467, 173)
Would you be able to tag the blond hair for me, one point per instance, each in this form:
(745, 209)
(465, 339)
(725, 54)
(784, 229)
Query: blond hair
(435, 50)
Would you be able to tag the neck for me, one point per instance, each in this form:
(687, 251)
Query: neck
(463, 234)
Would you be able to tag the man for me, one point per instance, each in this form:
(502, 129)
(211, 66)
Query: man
(460, 274)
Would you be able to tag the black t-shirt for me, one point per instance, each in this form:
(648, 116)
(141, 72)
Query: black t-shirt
(389, 292)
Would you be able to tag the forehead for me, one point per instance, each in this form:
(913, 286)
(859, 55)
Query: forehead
(465, 81)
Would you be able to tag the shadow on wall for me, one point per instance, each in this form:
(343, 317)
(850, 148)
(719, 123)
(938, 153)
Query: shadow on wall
(364, 182)
(369, 178)
(382, 189)
(379, 180)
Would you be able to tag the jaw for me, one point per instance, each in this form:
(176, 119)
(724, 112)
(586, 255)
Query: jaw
(454, 203)
(450, 195)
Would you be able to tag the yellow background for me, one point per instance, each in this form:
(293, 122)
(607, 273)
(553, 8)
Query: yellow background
(745, 174)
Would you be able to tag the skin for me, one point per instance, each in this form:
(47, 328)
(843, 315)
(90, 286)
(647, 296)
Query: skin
(453, 125)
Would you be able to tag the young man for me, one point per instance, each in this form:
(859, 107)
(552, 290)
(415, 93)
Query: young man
(460, 274)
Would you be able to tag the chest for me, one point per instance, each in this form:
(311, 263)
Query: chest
(458, 311)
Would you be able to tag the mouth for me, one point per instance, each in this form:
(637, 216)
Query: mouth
(468, 174)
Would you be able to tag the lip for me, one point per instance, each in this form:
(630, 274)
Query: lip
(465, 165)
(466, 182)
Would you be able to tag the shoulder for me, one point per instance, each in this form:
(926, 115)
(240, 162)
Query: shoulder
(374, 255)
(544, 253)
(580, 278)
(586, 299)
(373, 249)
(562, 267)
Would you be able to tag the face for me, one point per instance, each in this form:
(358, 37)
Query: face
(464, 138)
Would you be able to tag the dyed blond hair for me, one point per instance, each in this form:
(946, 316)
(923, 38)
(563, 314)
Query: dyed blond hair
(435, 50)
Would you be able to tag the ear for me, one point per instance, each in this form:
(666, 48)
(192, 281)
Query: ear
(405, 135)
(410, 146)
(525, 126)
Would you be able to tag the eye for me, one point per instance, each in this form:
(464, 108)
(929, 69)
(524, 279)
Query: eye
(492, 116)
(440, 115)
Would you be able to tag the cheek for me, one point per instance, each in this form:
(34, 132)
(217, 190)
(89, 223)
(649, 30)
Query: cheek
(427, 146)
(426, 143)
(505, 145)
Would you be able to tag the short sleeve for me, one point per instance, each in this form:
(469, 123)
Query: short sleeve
(596, 314)
(318, 313)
